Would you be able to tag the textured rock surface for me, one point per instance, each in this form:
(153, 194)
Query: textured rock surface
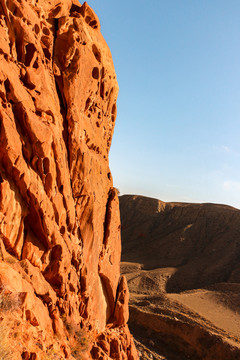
(182, 265)
(59, 216)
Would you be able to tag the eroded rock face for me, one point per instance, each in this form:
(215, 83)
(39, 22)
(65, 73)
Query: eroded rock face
(59, 215)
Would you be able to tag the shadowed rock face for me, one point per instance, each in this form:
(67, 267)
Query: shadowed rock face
(59, 216)
(202, 241)
(183, 270)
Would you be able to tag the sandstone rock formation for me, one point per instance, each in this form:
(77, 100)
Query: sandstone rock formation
(183, 269)
(61, 291)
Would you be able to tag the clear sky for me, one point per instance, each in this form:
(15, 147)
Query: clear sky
(177, 136)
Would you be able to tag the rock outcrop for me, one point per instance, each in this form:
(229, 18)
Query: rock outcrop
(182, 265)
(61, 292)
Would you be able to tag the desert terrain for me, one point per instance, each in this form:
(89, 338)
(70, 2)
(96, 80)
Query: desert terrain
(182, 263)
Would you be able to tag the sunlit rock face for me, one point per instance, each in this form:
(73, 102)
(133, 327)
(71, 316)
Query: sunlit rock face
(59, 213)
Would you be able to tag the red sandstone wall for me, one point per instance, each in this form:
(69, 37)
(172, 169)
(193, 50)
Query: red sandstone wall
(59, 215)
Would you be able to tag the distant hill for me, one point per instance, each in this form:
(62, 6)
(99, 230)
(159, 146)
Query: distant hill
(182, 263)
(201, 240)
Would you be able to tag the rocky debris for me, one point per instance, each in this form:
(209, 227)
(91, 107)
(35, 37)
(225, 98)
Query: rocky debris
(59, 218)
(182, 265)
(147, 354)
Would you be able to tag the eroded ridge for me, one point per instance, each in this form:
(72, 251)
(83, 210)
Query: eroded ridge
(181, 261)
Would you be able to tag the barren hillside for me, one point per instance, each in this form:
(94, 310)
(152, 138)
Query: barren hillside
(183, 269)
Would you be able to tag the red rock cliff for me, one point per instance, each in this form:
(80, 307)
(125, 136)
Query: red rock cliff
(61, 291)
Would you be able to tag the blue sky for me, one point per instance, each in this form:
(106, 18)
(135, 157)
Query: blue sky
(178, 69)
